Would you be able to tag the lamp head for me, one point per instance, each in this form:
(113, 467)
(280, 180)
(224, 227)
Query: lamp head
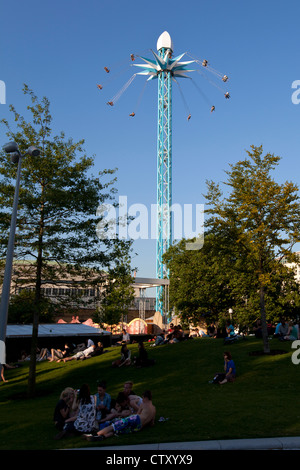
(11, 147)
(33, 151)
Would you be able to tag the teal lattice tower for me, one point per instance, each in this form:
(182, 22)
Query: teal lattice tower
(165, 69)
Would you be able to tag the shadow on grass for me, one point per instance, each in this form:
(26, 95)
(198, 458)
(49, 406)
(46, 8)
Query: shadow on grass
(196, 410)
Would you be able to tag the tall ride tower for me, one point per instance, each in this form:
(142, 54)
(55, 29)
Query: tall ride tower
(165, 69)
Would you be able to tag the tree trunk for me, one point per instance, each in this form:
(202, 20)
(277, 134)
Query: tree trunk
(263, 319)
(33, 352)
(35, 321)
(35, 328)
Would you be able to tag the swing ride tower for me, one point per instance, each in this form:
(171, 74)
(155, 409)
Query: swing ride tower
(164, 171)
(165, 69)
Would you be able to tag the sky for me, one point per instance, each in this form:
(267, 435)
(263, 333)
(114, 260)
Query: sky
(60, 48)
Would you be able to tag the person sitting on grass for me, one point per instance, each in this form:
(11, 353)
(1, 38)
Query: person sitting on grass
(124, 339)
(103, 400)
(121, 409)
(133, 423)
(212, 330)
(281, 330)
(127, 388)
(135, 402)
(229, 368)
(142, 359)
(125, 359)
(85, 419)
(229, 329)
(292, 333)
(64, 407)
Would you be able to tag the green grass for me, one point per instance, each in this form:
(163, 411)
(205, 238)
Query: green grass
(262, 402)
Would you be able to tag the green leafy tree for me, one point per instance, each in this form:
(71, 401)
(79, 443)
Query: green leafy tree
(59, 197)
(199, 281)
(118, 295)
(263, 215)
(22, 307)
(205, 284)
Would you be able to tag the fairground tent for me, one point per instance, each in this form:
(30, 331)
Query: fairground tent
(55, 329)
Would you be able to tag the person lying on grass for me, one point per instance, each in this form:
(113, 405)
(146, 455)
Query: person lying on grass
(133, 423)
(81, 354)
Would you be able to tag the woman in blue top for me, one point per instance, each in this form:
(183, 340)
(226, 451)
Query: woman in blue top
(229, 329)
(229, 368)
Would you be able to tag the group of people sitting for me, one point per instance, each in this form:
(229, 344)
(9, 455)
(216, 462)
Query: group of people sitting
(141, 360)
(287, 331)
(174, 334)
(284, 330)
(97, 416)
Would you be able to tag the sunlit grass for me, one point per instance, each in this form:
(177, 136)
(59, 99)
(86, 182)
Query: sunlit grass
(261, 402)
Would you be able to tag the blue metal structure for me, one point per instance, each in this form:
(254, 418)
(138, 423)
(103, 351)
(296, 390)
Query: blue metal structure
(165, 69)
(164, 177)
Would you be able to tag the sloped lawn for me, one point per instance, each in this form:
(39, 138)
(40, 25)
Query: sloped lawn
(262, 402)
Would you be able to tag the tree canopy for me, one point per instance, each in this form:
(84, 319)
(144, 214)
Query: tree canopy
(58, 202)
(249, 232)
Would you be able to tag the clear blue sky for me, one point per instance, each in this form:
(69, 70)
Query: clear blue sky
(60, 48)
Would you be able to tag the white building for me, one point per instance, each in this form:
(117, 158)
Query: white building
(295, 266)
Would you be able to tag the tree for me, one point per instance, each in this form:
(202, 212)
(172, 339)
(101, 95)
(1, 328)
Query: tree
(199, 281)
(58, 201)
(118, 295)
(206, 283)
(263, 215)
(22, 306)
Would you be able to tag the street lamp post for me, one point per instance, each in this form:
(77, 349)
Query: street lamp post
(16, 157)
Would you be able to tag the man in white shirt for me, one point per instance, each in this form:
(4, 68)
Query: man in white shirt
(81, 354)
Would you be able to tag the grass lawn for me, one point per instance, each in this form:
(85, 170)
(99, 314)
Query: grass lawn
(262, 402)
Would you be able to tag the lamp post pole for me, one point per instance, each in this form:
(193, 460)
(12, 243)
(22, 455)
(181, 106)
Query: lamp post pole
(15, 157)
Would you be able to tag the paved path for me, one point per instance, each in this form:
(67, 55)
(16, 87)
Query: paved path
(272, 443)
